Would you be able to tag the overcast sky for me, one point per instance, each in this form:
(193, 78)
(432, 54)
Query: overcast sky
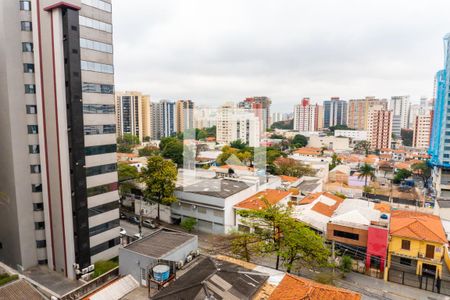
(213, 51)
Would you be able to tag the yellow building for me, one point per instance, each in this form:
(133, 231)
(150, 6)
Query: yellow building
(416, 246)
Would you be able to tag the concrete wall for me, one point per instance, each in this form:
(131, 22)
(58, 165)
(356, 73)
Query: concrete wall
(361, 242)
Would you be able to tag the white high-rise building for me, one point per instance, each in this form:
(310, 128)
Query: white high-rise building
(305, 116)
(422, 130)
(162, 119)
(60, 204)
(237, 124)
(400, 110)
(204, 117)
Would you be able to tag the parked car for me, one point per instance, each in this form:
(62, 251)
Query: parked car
(134, 220)
(149, 224)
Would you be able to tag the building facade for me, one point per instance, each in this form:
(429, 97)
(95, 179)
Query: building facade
(358, 111)
(305, 116)
(162, 119)
(260, 106)
(58, 129)
(422, 131)
(132, 114)
(380, 128)
(400, 108)
(184, 115)
(335, 112)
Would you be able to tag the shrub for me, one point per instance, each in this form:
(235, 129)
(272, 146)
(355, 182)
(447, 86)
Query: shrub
(346, 264)
(324, 278)
(103, 266)
(188, 224)
(5, 278)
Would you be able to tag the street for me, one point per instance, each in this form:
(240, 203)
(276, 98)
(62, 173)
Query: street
(132, 229)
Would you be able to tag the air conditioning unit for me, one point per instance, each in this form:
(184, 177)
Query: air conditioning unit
(76, 266)
(180, 264)
(86, 277)
(84, 271)
(91, 268)
(189, 258)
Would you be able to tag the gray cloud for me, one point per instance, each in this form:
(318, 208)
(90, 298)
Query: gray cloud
(212, 51)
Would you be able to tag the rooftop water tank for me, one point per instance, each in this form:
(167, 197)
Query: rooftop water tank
(161, 272)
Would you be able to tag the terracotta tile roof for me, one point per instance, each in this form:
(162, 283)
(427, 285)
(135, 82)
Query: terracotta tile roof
(310, 198)
(237, 167)
(289, 178)
(308, 151)
(385, 156)
(383, 207)
(256, 202)
(385, 149)
(399, 151)
(297, 288)
(418, 226)
(401, 165)
(327, 210)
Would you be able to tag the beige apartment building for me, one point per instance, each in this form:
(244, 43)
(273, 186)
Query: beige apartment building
(184, 115)
(422, 131)
(380, 127)
(358, 111)
(59, 198)
(133, 114)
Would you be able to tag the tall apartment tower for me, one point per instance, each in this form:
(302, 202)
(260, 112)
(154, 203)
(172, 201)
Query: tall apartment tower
(59, 202)
(358, 111)
(400, 109)
(261, 107)
(305, 116)
(184, 115)
(335, 112)
(421, 130)
(380, 128)
(132, 114)
(163, 119)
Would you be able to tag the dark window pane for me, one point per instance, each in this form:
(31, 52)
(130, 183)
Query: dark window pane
(104, 227)
(41, 244)
(25, 26)
(103, 208)
(30, 89)
(95, 150)
(28, 68)
(33, 149)
(25, 5)
(32, 129)
(101, 189)
(97, 170)
(27, 47)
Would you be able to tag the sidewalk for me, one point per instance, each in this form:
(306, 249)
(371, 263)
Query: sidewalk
(374, 288)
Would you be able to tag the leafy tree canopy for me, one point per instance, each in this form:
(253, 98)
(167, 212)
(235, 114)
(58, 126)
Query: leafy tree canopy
(401, 175)
(299, 141)
(291, 167)
(288, 124)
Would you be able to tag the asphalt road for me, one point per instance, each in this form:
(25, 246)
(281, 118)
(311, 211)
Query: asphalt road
(132, 229)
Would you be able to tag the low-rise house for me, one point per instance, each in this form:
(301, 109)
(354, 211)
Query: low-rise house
(398, 155)
(211, 202)
(259, 201)
(309, 151)
(315, 210)
(319, 164)
(337, 144)
(416, 246)
(340, 173)
(310, 185)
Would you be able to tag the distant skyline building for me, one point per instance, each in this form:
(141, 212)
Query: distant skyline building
(422, 130)
(380, 127)
(260, 105)
(400, 109)
(335, 112)
(204, 116)
(184, 115)
(305, 116)
(237, 124)
(60, 201)
(132, 114)
(163, 119)
(358, 111)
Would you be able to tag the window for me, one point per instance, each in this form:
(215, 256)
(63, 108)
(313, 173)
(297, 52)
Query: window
(95, 150)
(103, 208)
(99, 129)
(102, 5)
(96, 67)
(31, 109)
(201, 210)
(41, 244)
(346, 235)
(38, 206)
(25, 5)
(103, 227)
(32, 129)
(30, 89)
(101, 189)
(97, 46)
(39, 225)
(25, 26)
(36, 188)
(104, 246)
(28, 68)
(98, 108)
(33, 149)
(43, 262)
(35, 169)
(97, 170)
(218, 213)
(98, 88)
(27, 47)
(405, 261)
(95, 24)
(406, 245)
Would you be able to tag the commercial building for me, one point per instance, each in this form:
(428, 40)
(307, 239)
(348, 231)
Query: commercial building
(337, 144)
(57, 124)
(236, 123)
(306, 116)
(335, 112)
(422, 131)
(260, 106)
(163, 119)
(132, 114)
(400, 113)
(358, 111)
(204, 117)
(354, 135)
(380, 128)
(184, 115)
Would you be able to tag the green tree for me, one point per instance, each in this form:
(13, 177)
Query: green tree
(401, 175)
(362, 147)
(227, 151)
(172, 148)
(238, 144)
(366, 171)
(302, 247)
(335, 161)
(188, 224)
(244, 244)
(407, 136)
(148, 151)
(299, 141)
(277, 136)
(346, 264)
(292, 167)
(422, 170)
(126, 142)
(146, 139)
(159, 177)
(288, 124)
(127, 174)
